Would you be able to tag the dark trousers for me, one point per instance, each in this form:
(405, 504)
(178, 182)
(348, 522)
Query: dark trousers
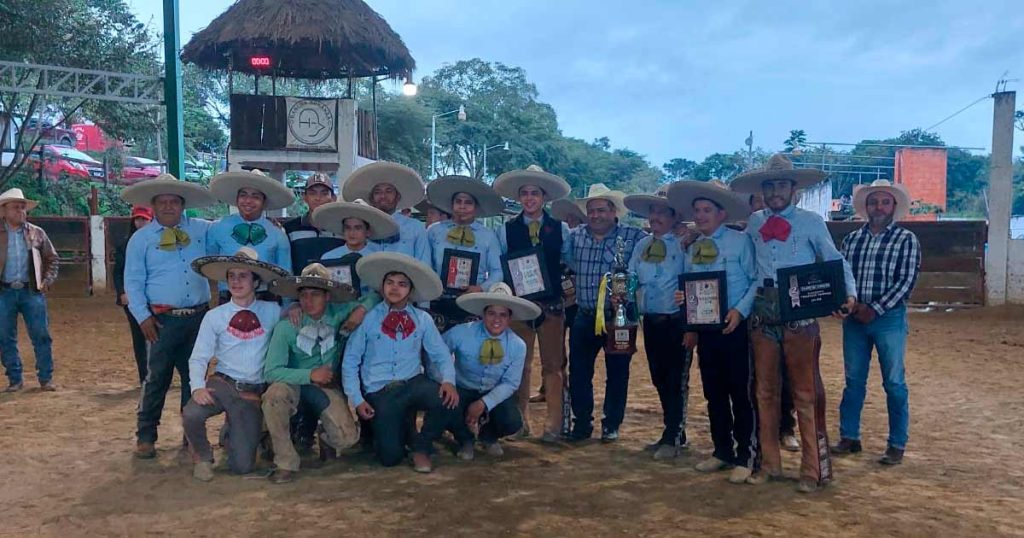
(727, 373)
(242, 427)
(787, 420)
(138, 345)
(391, 406)
(584, 346)
(505, 419)
(669, 363)
(169, 353)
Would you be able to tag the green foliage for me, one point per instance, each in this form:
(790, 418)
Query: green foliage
(797, 139)
(69, 198)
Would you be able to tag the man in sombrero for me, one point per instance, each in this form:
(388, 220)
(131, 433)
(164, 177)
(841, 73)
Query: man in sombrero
(787, 236)
(307, 241)
(383, 365)
(301, 367)
(237, 333)
(392, 187)
(359, 224)
(489, 359)
(165, 295)
(431, 214)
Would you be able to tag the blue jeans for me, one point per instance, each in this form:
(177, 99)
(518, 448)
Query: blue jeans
(32, 306)
(888, 335)
(583, 349)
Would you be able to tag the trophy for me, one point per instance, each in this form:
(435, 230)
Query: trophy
(622, 285)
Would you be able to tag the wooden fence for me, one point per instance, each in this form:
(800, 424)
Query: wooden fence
(70, 237)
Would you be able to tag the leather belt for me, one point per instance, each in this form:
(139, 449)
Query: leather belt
(181, 312)
(756, 321)
(258, 388)
(14, 285)
(663, 318)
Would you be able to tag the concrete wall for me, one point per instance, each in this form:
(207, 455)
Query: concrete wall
(1015, 272)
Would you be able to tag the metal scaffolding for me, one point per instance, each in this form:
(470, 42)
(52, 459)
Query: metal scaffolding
(80, 83)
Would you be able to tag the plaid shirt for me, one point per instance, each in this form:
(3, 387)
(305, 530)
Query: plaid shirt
(885, 265)
(591, 259)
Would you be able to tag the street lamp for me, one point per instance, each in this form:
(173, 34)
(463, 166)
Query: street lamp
(502, 146)
(461, 111)
(409, 88)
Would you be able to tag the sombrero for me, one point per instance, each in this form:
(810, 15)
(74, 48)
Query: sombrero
(360, 183)
(508, 184)
(332, 217)
(898, 191)
(599, 191)
(425, 283)
(225, 187)
(499, 294)
(560, 209)
(216, 267)
(16, 195)
(143, 192)
(317, 276)
(441, 191)
(778, 167)
(641, 203)
(424, 205)
(682, 194)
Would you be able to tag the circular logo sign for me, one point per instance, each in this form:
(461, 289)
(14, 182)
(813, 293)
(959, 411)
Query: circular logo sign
(311, 123)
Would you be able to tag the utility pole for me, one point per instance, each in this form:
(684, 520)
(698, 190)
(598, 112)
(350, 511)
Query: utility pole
(1000, 199)
(172, 91)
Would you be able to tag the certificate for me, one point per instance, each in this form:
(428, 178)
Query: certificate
(459, 270)
(705, 300)
(526, 274)
(343, 270)
(811, 291)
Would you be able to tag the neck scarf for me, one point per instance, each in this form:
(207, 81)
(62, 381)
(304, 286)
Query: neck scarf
(245, 325)
(491, 352)
(655, 251)
(172, 238)
(314, 333)
(249, 233)
(775, 227)
(461, 236)
(534, 227)
(398, 325)
(704, 252)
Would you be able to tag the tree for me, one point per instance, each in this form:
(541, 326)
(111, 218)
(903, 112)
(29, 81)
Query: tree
(678, 168)
(797, 139)
(719, 166)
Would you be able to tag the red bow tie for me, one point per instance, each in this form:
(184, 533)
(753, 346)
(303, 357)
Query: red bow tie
(396, 323)
(775, 227)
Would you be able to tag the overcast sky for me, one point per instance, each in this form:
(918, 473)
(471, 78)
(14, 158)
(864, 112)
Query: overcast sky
(676, 79)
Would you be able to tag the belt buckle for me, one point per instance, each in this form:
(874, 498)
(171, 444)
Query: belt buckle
(16, 285)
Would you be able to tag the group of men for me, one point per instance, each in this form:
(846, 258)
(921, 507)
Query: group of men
(388, 318)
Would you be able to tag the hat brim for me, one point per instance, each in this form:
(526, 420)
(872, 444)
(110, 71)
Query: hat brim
(476, 303)
(509, 183)
(750, 182)
(360, 183)
(899, 192)
(441, 191)
(29, 204)
(225, 187)
(615, 197)
(641, 203)
(425, 283)
(290, 287)
(143, 192)
(682, 194)
(332, 217)
(560, 209)
(217, 267)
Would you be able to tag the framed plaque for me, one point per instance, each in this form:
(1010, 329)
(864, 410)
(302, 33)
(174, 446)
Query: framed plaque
(459, 270)
(811, 291)
(525, 273)
(343, 270)
(705, 300)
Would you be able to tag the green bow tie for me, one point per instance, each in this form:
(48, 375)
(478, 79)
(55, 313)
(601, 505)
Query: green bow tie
(655, 251)
(704, 252)
(172, 238)
(461, 236)
(249, 233)
(491, 352)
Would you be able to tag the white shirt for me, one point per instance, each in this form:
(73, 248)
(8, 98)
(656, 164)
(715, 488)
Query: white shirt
(239, 350)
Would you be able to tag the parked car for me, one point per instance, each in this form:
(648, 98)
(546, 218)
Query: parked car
(197, 170)
(136, 168)
(50, 133)
(65, 162)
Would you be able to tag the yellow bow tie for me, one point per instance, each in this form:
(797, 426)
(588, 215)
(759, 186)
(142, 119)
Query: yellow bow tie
(535, 232)
(704, 252)
(172, 238)
(655, 251)
(491, 352)
(461, 236)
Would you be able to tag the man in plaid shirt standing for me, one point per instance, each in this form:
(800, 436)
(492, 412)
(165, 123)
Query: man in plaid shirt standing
(886, 260)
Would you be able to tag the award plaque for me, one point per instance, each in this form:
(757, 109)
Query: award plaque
(705, 300)
(343, 270)
(811, 291)
(525, 273)
(459, 270)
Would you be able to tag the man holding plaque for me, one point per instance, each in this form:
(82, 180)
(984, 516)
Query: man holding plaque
(786, 236)
(886, 260)
(531, 244)
(391, 188)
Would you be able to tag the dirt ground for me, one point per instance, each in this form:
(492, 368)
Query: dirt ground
(66, 467)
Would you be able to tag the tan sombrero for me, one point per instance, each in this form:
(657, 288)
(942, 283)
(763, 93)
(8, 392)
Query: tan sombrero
(314, 275)
(898, 191)
(360, 183)
(499, 294)
(682, 194)
(508, 184)
(441, 191)
(16, 195)
(143, 192)
(641, 203)
(216, 267)
(372, 268)
(599, 191)
(225, 187)
(560, 209)
(778, 167)
(332, 217)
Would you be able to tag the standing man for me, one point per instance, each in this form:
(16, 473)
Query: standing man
(28, 267)
(392, 187)
(308, 242)
(787, 236)
(359, 224)
(886, 260)
(165, 295)
(590, 252)
(535, 230)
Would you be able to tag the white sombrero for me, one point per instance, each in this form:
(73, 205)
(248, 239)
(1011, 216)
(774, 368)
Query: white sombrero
(682, 194)
(599, 191)
(560, 209)
(425, 283)
(499, 294)
(216, 267)
(225, 187)
(508, 184)
(778, 167)
(317, 276)
(16, 195)
(898, 191)
(143, 192)
(332, 217)
(441, 191)
(360, 183)
(641, 203)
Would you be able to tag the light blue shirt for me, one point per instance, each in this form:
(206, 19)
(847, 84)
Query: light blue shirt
(658, 281)
(736, 258)
(274, 249)
(485, 243)
(16, 267)
(412, 239)
(497, 381)
(503, 239)
(239, 354)
(156, 276)
(808, 241)
(343, 250)
(373, 359)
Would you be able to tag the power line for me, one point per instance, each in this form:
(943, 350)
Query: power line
(951, 116)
